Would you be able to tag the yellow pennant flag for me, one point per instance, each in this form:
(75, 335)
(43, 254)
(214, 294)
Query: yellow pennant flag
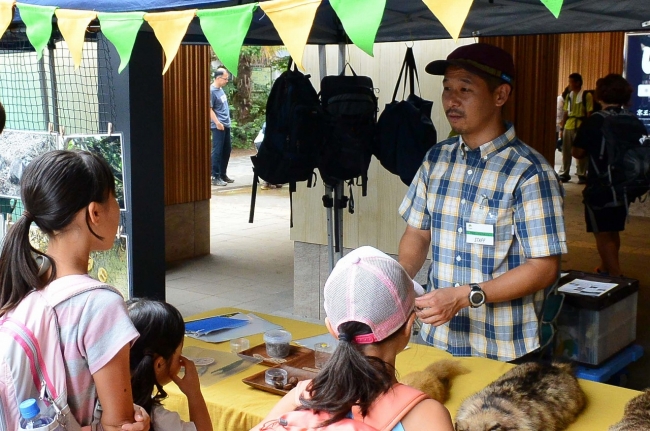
(170, 28)
(73, 24)
(451, 14)
(293, 20)
(6, 15)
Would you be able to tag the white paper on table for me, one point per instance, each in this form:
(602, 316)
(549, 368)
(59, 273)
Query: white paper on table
(586, 287)
(256, 325)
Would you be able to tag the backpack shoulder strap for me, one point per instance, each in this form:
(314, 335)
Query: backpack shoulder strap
(391, 407)
(78, 285)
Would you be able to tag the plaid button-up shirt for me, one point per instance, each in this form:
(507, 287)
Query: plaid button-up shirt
(503, 183)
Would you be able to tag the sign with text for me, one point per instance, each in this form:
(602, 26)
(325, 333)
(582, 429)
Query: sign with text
(637, 72)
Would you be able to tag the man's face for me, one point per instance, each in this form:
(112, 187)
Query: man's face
(574, 85)
(468, 102)
(221, 81)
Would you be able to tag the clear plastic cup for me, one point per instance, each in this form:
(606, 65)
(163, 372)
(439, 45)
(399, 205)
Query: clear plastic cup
(322, 353)
(277, 343)
(276, 377)
(239, 345)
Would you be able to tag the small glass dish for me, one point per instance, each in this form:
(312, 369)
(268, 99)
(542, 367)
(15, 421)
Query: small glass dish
(276, 377)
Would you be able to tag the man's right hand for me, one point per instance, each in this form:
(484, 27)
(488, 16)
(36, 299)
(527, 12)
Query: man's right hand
(220, 126)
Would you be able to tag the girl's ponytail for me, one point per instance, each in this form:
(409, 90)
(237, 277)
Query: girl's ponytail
(349, 378)
(18, 269)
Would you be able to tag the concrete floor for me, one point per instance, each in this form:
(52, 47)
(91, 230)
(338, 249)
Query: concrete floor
(251, 265)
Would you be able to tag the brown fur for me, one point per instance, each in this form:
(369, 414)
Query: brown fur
(435, 379)
(529, 397)
(637, 414)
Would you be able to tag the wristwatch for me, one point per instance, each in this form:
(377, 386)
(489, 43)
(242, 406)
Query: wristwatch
(476, 295)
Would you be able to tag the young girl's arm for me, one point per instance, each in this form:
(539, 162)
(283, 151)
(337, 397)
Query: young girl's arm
(285, 405)
(191, 387)
(113, 382)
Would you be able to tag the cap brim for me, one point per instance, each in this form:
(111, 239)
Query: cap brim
(437, 67)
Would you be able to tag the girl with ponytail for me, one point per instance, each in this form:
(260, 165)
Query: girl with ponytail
(70, 196)
(370, 304)
(156, 360)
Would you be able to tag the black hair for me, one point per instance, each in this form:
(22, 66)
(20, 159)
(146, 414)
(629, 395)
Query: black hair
(566, 92)
(3, 117)
(54, 187)
(613, 88)
(161, 329)
(221, 71)
(576, 77)
(349, 377)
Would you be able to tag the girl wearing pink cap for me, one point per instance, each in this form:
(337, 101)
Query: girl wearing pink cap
(369, 302)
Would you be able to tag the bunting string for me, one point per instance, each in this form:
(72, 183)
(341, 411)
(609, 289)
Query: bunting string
(224, 28)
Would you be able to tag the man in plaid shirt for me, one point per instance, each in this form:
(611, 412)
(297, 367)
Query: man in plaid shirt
(490, 208)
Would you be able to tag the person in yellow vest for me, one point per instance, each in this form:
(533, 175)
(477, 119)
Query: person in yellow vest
(578, 105)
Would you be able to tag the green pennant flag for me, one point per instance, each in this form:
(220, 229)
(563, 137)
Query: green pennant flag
(361, 20)
(555, 6)
(225, 30)
(121, 29)
(38, 20)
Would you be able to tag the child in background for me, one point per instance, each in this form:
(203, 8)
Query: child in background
(156, 360)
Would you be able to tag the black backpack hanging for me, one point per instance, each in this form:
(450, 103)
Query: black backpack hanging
(350, 107)
(293, 136)
(404, 130)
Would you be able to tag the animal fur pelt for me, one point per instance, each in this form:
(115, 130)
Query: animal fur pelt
(435, 380)
(530, 397)
(637, 414)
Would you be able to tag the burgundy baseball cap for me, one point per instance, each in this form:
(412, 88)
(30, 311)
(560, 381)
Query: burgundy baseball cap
(479, 58)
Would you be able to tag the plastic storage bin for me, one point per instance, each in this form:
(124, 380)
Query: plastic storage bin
(593, 328)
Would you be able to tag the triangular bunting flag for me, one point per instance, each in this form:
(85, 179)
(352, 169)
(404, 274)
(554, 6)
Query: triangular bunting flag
(170, 28)
(451, 14)
(6, 15)
(360, 19)
(73, 24)
(121, 29)
(293, 20)
(226, 29)
(38, 20)
(555, 6)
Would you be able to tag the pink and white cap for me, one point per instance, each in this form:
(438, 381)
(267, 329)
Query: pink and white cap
(370, 287)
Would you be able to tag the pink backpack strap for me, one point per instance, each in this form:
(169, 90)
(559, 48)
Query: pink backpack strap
(391, 407)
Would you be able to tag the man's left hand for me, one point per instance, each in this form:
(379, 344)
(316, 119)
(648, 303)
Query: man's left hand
(439, 306)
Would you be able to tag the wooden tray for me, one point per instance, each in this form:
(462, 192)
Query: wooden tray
(294, 368)
(295, 352)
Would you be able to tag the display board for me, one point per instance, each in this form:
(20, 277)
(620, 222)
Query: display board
(637, 72)
(18, 148)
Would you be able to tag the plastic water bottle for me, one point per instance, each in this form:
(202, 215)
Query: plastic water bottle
(31, 414)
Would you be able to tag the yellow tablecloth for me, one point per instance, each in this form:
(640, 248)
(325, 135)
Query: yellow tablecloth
(235, 406)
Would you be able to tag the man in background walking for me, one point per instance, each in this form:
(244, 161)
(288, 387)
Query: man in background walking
(220, 127)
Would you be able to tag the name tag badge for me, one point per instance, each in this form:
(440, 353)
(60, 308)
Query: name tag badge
(224, 99)
(477, 233)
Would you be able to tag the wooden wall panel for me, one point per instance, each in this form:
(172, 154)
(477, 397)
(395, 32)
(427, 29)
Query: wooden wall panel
(533, 101)
(186, 126)
(593, 55)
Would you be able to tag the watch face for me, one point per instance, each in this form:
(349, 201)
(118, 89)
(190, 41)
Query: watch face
(477, 298)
